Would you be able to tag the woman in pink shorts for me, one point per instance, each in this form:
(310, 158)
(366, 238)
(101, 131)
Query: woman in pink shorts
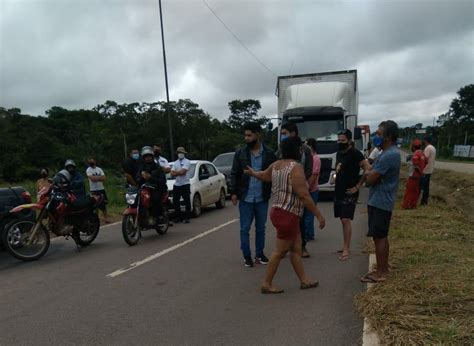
(290, 196)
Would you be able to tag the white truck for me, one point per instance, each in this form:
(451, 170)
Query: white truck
(321, 105)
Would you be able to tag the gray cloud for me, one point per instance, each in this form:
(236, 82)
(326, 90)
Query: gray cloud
(412, 56)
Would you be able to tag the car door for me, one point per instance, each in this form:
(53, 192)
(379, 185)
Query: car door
(203, 186)
(214, 184)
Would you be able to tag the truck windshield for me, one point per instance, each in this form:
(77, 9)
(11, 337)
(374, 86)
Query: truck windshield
(320, 129)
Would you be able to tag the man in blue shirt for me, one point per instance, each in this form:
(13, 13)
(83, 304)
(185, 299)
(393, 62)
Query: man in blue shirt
(383, 181)
(251, 194)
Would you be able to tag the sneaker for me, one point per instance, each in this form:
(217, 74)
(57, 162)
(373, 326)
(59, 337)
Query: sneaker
(262, 259)
(248, 262)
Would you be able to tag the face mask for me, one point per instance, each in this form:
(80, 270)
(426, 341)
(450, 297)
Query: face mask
(341, 146)
(157, 153)
(44, 175)
(92, 164)
(135, 156)
(252, 143)
(283, 137)
(378, 141)
(180, 156)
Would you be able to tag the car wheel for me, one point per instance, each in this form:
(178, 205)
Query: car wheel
(197, 206)
(221, 202)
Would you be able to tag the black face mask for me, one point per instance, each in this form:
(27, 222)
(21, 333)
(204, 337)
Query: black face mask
(44, 175)
(342, 146)
(252, 143)
(157, 153)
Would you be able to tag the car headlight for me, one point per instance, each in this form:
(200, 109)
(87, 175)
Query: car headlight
(130, 198)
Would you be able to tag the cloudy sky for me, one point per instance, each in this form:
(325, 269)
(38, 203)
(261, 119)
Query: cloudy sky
(411, 56)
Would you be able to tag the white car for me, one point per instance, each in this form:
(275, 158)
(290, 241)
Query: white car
(208, 186)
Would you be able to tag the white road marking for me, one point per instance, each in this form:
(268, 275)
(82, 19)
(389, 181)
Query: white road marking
(105, 226)
(370, 337)
(168, 250)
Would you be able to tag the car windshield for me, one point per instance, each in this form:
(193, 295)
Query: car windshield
(192, 169)
(224, 160)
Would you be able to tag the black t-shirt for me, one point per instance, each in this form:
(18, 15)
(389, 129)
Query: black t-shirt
(131, 166)
(347, 172)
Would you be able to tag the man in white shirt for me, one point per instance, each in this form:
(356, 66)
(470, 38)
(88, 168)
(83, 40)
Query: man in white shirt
(430, 154)
(182, 185)
(163, 162)
(96, 178)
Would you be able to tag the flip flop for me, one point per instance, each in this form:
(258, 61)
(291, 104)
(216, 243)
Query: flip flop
(344, 258)
(340, 251)
(266, 290)
(369, 278)
(305, 286)
(305, 254)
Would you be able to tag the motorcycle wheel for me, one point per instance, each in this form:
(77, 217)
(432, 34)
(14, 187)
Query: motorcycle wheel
(162, 228)
(88, 230)
(131, 234)
(16, 239)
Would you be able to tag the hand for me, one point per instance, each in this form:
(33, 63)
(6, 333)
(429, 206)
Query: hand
(322, 222)
(146, 175)
(353, 190)
(249, 171)
(234, 199)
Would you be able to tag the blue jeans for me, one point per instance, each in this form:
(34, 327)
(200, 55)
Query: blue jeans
(249, 211)
(308, 218)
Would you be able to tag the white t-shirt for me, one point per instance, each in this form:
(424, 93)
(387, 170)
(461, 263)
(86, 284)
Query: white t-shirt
(374, 154)
(430, 154)
(97, 172)
(178, 165)
(162, 162)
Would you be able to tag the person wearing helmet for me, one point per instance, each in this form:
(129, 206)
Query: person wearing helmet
(150, 172)
(77, 184)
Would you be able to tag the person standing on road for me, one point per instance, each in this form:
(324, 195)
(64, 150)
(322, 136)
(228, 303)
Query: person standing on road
(131, 167)
(290, 196)
(78, 187)
(97, 178)
(182, 185)
(430, 154)
(313, 189)
(251, 194)
(416, 165)
(383, 180)
(290, 130)
(349, 161)
(43, 183)
(163, 162)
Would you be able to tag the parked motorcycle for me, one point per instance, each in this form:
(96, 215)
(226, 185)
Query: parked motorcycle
(61, 213)
(138, 217)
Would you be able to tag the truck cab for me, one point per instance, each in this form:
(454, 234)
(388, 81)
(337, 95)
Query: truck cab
(321, 105)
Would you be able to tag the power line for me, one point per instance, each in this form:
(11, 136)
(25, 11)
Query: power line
(238, 39)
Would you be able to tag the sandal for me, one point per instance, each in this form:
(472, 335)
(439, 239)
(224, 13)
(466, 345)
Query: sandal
(267, 290)
(343, 257)
(370, 278)
(305, 254)
(305, 286)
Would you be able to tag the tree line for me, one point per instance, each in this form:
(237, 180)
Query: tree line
(110, 130)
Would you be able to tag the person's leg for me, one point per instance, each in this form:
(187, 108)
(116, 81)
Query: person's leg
(426, 190)
(423, 188)
(157, 208)
(347, 233)
(187, 201)
(302, 227)
(296, 261)
(308, 218)
(177, 202)
(246, 219)
(260, 212)
(382, 249)
(282, 247)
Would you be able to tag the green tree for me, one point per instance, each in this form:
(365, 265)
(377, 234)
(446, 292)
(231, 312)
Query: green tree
(244, 111)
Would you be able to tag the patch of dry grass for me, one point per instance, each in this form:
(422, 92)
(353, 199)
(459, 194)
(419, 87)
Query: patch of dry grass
(429, 297)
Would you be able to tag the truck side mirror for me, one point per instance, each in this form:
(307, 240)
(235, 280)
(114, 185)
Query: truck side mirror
(357, 133)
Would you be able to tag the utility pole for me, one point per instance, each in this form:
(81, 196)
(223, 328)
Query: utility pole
(166, 84)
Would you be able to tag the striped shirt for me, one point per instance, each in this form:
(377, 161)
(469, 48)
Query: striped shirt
(283, 196)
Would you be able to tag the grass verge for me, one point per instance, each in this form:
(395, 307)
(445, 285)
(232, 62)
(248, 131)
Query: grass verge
(429, 297)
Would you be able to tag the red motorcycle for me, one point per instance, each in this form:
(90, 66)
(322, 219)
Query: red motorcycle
(61, 213)
(137, 217)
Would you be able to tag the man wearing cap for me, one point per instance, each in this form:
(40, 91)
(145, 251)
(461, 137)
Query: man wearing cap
(349, 161)
(78, 187)
(182, 185)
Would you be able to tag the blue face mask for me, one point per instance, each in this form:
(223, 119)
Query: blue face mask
(283, 137)
(378, 141)
(135, 156)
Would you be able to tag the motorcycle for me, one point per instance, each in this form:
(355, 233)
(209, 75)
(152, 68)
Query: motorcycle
(61, 213)
(137, 217)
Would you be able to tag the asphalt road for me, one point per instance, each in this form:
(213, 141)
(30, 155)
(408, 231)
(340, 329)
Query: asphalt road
(461, 167)
(196, 293)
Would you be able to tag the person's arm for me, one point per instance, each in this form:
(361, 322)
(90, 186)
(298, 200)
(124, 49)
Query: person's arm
(298, 182)
(380, 168)
(265, 175)
(308, 164)
(364, 164)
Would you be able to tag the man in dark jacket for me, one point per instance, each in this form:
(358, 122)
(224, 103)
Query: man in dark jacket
(251, 194)
(150, 172)
(78, 187)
